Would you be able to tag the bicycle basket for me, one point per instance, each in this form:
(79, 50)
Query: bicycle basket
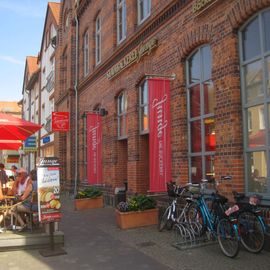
(171, 189)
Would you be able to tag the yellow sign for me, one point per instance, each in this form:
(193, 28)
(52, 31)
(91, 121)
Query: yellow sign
(134, 56)
(200, 4)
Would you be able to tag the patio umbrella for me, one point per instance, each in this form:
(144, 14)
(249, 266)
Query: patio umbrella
(13, 128)
(10, 144)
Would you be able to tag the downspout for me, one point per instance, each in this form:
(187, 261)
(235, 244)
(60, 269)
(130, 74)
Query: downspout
(76, 105)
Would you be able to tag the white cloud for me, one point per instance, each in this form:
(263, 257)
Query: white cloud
(23, 8)
(11, 59)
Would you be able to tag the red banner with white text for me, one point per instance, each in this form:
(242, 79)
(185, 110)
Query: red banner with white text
(159, 134)
(94, 148)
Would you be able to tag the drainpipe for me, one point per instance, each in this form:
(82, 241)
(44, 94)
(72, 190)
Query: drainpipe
(76, 105)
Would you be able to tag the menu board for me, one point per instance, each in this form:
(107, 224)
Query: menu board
(49, 204)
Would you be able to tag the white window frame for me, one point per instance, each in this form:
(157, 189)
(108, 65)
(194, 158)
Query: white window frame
(146, 6)
(98, 40)
(86, 53)
(121, 13)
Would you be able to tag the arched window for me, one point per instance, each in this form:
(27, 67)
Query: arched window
(255, 85)
(201, 123)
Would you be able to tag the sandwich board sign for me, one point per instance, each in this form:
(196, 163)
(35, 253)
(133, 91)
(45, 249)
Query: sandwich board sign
(48, 189)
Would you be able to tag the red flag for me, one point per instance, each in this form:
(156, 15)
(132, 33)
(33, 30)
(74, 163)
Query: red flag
(60, 121)
(159, 135)
(94, 140)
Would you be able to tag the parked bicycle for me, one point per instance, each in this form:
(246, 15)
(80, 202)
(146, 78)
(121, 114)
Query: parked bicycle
(175, 215)
(250, 222)
(210, 211)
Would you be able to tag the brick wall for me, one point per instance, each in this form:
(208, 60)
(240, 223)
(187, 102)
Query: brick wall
(179, 32)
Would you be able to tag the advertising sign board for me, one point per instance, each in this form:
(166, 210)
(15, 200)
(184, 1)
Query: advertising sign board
(48, 189)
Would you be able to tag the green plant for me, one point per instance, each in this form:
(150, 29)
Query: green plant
(137, 203)
(89, 192)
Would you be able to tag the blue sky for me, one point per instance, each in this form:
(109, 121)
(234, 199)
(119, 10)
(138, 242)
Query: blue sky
(21, 28)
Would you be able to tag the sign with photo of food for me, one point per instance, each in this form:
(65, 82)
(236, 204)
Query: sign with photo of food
(49, 204)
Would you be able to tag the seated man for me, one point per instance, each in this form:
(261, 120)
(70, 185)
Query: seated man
(23, 189)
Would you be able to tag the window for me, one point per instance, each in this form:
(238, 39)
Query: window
(144, 9)
(255, 73)
(144, 108)
(201, 122)
(86, 54)
(98, 40)
(121, 20)
(122, 116)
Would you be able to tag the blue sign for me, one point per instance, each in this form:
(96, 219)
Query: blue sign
(30, 144)
(46, 139)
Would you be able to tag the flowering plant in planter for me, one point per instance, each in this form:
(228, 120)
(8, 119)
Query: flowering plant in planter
(90, 197)
(138, 211)
(89, 192)
(137, 203)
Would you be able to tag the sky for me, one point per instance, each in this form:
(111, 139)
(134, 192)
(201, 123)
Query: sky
(21, 29)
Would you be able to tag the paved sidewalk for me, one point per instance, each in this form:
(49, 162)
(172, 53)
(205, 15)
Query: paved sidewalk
(93, 242)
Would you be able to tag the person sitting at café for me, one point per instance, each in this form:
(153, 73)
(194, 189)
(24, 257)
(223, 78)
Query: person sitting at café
(1, 214)
(22, 188)
(14, 171)
(3, 175)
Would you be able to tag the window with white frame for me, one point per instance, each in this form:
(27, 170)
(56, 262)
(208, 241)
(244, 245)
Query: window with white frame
(144, 10)
(122, 115)
(121, 20)
(98, 40)
(254, 40)
(144, 108)
(86, 53)
(201, 121)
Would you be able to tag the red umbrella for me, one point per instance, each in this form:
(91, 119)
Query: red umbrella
(13, 128)
(10, 144)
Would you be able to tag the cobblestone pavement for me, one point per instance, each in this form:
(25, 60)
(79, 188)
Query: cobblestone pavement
(93, 242)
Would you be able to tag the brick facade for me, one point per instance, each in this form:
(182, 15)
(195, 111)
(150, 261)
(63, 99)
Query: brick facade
(179, 32)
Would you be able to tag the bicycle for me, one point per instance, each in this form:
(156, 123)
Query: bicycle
(220, 225)
(169, 217)
(250, 222)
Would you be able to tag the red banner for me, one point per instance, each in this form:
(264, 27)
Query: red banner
(159, 135)
(94, 149)
(60, 121)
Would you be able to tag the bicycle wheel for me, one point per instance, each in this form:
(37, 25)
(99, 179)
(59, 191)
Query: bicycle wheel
(228, 238)
(195, 216)
(165, 218)
(251, 231)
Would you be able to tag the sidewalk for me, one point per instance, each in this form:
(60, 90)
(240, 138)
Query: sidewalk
(93, 242)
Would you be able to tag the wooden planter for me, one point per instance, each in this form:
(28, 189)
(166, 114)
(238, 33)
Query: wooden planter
(127, 220)
(88, 203)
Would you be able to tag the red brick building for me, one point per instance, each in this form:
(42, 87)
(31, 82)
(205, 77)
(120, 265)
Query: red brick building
(218, 52)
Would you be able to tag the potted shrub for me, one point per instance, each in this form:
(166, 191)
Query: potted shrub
(138, 211)
(90, 197)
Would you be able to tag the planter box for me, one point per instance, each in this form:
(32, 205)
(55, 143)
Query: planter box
(127, 220)
(88, 203)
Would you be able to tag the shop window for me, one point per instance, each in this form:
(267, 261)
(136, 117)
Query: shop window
(122, 116)
(144, 108)
(201, 122)
(98, 40)
(144, 10)
(255, 70)
(121, 20)
(86, 53)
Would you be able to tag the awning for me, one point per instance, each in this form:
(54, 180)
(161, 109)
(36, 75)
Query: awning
(10, 144)
(13, 128)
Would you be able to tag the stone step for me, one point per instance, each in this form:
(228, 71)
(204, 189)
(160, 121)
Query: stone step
(11, 240)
